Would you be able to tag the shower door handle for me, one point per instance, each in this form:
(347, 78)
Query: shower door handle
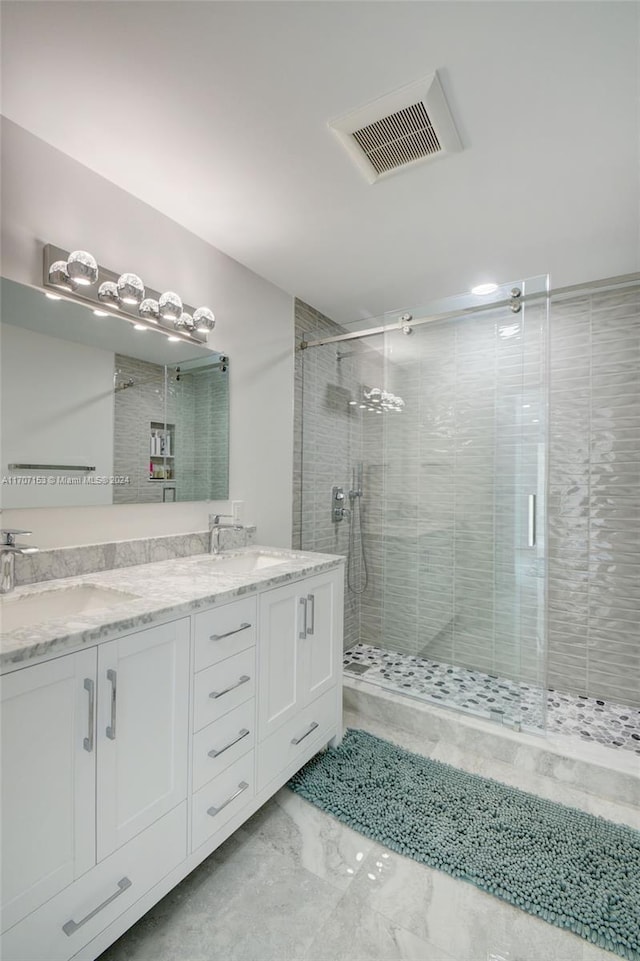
(531, 524)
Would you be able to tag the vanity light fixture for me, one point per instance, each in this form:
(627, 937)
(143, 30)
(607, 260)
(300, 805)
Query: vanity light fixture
(82, 268)
(79, 278)
(130, 289)
(149, 310)
(59, 275)
(204, 320)
(170, 306)
(108, 294)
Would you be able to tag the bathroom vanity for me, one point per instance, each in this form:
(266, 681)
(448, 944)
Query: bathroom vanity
(145, 724)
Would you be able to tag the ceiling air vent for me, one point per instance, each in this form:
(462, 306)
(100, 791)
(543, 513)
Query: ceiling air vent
(405, 127)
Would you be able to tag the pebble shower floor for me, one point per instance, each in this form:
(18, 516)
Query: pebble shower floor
(591, 719)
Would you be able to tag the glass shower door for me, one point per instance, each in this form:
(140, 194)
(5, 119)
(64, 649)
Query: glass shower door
(462, 525)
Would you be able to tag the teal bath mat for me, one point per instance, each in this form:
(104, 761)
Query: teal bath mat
(573, 869)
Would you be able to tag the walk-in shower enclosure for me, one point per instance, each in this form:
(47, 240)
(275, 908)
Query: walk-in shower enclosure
(446, 411)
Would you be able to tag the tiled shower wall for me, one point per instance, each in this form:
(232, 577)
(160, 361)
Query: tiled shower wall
(198, 409)
(201, 401)
(328, 445)
(135, 408)
(419, 597)
(594, 496)
(457, 582)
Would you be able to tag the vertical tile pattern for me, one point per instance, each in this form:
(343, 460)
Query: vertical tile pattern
(446, 484)
(594, 503)
(328, 445)
(135, 408)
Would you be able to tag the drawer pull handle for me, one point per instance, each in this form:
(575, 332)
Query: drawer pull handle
(70, 927)
(312, 727)
(243, 680)
(87, 742)
(241, 787)
(242, 733)
(220, 637)
(111, 728)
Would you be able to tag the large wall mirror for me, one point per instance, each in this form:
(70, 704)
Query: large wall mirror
(95, 412)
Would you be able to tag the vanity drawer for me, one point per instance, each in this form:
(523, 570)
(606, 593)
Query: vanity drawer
(220, 688)
(224, 631)
(218, 745)
(219, 800)
(279, 750)
(62, 926)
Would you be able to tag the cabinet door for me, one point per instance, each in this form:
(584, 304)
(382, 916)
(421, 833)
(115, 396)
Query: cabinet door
(48, 780)
(320, 649)
(143, 713)
(280, 623)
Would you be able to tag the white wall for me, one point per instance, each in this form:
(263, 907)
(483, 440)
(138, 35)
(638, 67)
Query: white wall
(57, 408)
(49, 198)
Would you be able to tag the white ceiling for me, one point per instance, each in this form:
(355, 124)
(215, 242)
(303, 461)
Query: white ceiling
(216, 114)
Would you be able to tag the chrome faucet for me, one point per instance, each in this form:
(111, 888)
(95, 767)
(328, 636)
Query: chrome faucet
(215, 526)
(8, 551)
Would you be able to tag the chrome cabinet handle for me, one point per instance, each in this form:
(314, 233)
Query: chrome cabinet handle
(70, 927)
(531, 527)
(241, 787)
(312, 604)
(111, 728)
(89, 686)
(243, 733)
(243, 680)
(303, 632)
(219, 637)
(312, 727)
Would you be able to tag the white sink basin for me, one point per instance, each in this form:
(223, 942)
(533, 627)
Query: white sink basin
(242, 563)
(19, 612)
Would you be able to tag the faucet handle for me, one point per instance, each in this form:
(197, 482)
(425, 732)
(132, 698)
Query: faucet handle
(214, 519)
(9, 535)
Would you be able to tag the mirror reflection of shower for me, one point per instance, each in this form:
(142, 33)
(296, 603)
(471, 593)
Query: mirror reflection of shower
(378, 401)
(357, 573)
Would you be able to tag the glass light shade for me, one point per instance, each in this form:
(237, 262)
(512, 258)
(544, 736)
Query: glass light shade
(130, 289)
(59, 275)
(185, 322)
(204, 319)
(149, 310)
(82, 268)
(108, 294)
(170, 306)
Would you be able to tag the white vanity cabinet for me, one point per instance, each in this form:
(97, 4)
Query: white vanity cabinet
(124, 765)
(94, 751)
(300, 662)
(143, 731)
(48, 780)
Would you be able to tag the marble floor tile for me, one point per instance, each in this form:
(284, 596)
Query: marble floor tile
(323, 846)
(356, 932)
(293, 884)
(246, 902)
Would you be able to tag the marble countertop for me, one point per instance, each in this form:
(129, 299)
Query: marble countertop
(163, 590)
